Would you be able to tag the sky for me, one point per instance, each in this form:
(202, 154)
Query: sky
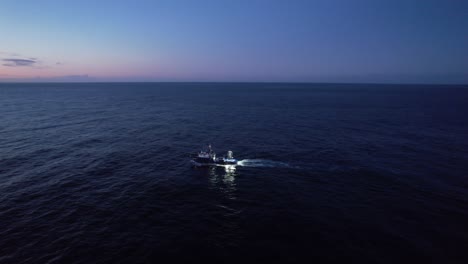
(382, 41)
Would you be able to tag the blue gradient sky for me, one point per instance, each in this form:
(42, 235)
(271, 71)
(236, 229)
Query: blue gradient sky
(414, 41)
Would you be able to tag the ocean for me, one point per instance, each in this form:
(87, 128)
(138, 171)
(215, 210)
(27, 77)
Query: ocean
(100, 173)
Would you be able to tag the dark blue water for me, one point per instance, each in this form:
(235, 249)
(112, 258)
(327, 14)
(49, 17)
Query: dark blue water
(99, 173)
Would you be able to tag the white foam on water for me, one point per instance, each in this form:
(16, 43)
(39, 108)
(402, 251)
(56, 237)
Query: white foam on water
(262, 163)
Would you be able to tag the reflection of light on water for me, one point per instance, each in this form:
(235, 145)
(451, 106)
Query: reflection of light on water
(223, 182)
(230, 171)
(223, 178)
(230, 168)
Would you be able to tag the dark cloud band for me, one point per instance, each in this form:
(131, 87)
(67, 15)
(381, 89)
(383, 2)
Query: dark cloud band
(19, 62)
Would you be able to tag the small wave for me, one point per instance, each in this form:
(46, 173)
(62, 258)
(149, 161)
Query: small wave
(263, 163)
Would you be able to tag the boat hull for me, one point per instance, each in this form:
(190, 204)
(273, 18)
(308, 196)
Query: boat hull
(215, 163)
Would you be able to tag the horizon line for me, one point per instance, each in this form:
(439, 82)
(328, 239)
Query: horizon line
(234, 82)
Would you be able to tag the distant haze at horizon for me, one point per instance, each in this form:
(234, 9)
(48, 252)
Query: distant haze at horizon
(240, 41)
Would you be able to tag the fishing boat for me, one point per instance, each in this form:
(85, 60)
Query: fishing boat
(208, 158)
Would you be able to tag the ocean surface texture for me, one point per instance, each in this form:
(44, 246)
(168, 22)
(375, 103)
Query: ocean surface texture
(100, 173)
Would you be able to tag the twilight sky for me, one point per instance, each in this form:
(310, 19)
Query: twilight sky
(413, 41)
